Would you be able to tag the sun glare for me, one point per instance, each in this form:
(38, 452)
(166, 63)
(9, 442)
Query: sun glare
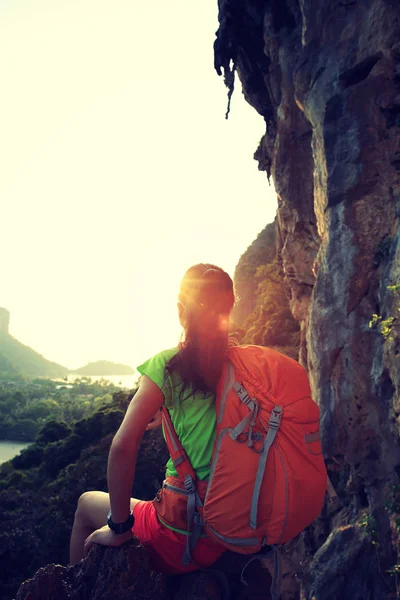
(119, 172)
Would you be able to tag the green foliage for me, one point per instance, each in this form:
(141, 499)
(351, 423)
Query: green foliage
(368, 522)
(27, 406)
(394, 288)
(392, 506)
(395, 570)
(261, 252)
(271, 323)
(28, 458)
(39, 488)
(262, 315)
(53, 431)
(385, 326)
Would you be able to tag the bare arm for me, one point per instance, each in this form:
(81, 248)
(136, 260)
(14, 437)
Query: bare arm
(122, 460)
(124, 448)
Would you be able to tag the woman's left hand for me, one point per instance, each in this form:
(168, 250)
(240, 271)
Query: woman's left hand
(155, 421)
(106, 537)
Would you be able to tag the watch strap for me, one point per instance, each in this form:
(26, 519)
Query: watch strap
(119, 528)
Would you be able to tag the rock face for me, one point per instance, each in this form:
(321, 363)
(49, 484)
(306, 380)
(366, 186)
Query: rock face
(325, 75)
(125, 573)
(106, 573)
(262, 312)
(4, 320)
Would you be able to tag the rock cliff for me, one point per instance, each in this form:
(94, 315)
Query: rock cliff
(325, 75)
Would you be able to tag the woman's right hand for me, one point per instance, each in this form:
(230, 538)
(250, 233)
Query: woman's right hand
(155, 421)
(105, 537)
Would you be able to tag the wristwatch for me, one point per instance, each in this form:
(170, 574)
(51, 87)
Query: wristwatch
(120, 527)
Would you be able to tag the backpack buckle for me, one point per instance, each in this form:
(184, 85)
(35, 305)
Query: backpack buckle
(275, 418)
(189, 484)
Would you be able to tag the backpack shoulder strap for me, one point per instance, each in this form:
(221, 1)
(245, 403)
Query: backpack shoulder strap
(179, 457)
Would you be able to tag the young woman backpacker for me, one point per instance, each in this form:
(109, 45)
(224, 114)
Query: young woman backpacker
(183, 379)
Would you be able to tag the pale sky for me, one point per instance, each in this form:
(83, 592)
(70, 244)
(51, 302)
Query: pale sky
(118, 172)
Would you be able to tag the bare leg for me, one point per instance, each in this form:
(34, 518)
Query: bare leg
(91, 514)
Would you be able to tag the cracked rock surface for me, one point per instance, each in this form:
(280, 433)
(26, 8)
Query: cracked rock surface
(325, 75)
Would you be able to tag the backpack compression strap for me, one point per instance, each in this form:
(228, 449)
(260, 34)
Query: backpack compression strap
(188, 476)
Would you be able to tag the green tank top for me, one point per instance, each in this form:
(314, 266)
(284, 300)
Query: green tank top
(194, 418)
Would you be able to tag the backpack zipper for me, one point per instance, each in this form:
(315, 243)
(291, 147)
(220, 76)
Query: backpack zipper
(176, 490)
(235, 541)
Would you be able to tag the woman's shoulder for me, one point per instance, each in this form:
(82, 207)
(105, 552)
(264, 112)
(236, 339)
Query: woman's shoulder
(157, 361)
(164, 356)
(155, 365)
(167, 354)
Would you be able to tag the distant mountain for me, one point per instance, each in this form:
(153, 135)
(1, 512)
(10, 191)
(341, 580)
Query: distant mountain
(104, 367)
(16, 358)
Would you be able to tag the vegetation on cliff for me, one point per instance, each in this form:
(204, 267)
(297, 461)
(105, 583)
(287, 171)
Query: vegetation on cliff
(262, 314)
(261, 252)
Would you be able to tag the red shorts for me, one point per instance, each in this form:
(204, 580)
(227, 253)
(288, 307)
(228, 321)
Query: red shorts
(166, 547)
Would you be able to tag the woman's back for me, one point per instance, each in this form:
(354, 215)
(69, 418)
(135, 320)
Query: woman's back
(183, 380)
(193, 416)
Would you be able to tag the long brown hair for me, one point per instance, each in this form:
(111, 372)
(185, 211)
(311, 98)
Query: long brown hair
(207, 297)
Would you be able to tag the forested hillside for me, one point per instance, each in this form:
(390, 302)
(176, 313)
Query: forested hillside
(18, 358)
(262, 315)
(40, 487)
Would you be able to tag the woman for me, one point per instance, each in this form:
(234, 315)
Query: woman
(184, 379)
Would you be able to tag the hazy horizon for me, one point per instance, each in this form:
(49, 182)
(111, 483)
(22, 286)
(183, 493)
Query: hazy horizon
(119, 172)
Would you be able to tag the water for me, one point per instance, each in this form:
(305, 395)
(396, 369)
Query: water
(9, 449)
(123, 381)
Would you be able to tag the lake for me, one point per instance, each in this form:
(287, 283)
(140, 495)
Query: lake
(123, 381)
(9, 449)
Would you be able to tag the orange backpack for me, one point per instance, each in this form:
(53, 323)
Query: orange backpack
(268, 477)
